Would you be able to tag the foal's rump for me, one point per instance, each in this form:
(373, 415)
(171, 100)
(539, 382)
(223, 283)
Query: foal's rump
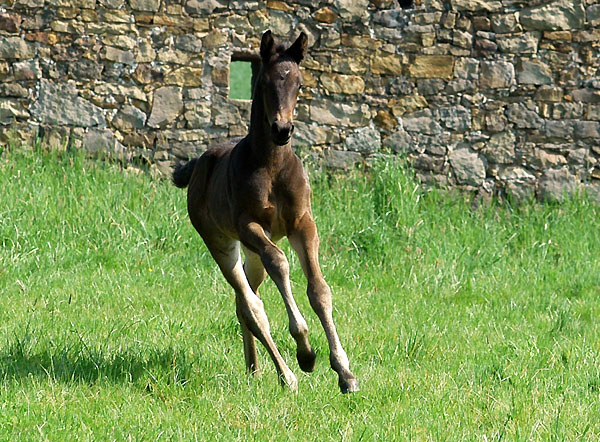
(182, 174)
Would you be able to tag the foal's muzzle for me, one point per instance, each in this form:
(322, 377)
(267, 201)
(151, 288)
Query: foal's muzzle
(281, 132)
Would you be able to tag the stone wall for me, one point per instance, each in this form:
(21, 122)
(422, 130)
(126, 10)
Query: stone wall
(495, 96)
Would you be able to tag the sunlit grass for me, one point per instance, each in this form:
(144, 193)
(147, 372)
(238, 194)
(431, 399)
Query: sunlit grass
(240, 73)
(460, 323)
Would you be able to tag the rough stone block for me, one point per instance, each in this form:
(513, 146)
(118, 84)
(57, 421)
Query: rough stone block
(119, 55)
(437, 145)
(505, 23)
(555, 185)
(385, 120)
(526, 43)
(549, 93)
(167, 103)
(567, 110)
(185, 76)
(496, 74)
(197, 114)
(432, 66)
(10, 23)
(15, 48)
(429, 163)
(117, 90)
(593, 14)
(13, 90)
(399, 142)
(466, 68)
(364, 140)
(145, 5)
(562, 14)
(500, 149)
(467, 166)
(189, 43)
(129, 118)
(351, 62)
(524, 117)
(561, 129)
(314, 135)
(593, 112)
(519, 183)
(423, 122)
(462, 39)
(455, 118)
(341, 159)
(586, 95)
(325, 14)
(587, 129)
(351, 10)
(60, 104)
(386, 64)
(27, 70)
(533, 71)
(476, 5)
(340, 114)
(11, 110)
(342, 84)
(103, 143)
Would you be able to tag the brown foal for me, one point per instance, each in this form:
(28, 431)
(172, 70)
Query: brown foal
(252, 194)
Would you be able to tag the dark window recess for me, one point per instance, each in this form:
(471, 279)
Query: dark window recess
(243, 72)
(406, 4)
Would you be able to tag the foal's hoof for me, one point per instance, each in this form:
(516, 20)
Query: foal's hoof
(289, 380)
(306, 361)
(349, 385)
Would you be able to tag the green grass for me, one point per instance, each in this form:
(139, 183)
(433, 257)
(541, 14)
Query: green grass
(460, 323)
(240, 74)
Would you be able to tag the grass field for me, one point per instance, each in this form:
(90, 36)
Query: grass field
(240, 73)
(460, 323)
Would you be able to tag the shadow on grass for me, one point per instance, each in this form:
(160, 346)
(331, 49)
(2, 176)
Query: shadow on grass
(75, 362)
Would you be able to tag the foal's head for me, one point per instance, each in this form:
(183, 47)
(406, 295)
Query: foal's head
(280, 81)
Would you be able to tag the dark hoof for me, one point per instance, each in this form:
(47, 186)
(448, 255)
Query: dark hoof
(349, 385)
(306, 361)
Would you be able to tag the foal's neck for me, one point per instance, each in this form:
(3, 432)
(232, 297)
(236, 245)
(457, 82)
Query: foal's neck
(264, 150)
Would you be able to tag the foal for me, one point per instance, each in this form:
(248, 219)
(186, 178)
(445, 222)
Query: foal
(252, 194)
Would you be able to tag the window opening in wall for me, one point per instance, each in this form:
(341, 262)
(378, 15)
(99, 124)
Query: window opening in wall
(243, 71)
(406, 4)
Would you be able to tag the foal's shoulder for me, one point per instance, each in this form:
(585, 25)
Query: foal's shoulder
(294, 176)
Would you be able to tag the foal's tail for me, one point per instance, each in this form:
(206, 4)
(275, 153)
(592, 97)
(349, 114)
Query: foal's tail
(183, 173)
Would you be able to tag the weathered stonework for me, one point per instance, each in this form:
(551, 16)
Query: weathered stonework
(499, 95)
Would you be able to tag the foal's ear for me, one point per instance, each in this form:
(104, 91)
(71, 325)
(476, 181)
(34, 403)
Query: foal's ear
(298, 50)
(267, 46)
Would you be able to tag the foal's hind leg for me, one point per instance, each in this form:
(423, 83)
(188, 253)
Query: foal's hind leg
(277, 266)
(305, 242)
(250, 308)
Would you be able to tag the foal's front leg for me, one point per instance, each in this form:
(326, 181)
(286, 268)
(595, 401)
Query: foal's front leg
(255, 274)
(305, 242)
